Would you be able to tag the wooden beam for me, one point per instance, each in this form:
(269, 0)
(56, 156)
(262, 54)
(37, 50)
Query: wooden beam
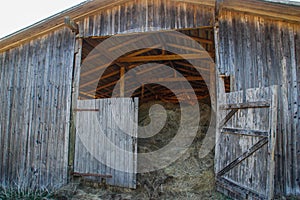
(161, 58)
(71, 24)
(191, 78)
(245, 132)
(182, 90)
(181, 98)
(134, 39)
(89, 174)
(95, 69)
(143, 51)
(192, 66)
(143, 90)
(122, 81)
(245, 155)
(238, 190)
(186, 48)
(198, 39)
(175, 79)
(102, 78)
(149, 69)
(258, 104)
(87, 94)
(228, 117)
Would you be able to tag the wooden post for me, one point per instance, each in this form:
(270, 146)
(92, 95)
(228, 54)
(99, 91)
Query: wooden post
(143, 90)
(215, 102)
(122, 81)
(75, 94)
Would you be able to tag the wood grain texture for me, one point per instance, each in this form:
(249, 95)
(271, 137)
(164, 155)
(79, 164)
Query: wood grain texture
(147, 15)
(35, 109)
(98, 136)
(262, 52)
(243, 158)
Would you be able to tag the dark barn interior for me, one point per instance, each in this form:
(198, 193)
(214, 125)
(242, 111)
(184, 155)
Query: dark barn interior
(148, 92)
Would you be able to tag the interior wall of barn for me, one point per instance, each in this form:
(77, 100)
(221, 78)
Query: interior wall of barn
(257, 52)
(35, 100)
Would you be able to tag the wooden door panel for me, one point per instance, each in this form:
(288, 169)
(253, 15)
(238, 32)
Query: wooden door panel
(104, 127)
(245, 143)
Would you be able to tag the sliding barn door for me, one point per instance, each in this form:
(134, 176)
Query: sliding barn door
(106, 140)
(245, 143)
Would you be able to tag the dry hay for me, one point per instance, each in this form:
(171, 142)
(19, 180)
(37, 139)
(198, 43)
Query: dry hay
(188, 174)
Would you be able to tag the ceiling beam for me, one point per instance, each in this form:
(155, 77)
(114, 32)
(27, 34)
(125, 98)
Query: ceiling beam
(161, 58)
(143, 51)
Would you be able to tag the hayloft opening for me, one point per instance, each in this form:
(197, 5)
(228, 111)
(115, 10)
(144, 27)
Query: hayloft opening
(112, 84)
(106, 84)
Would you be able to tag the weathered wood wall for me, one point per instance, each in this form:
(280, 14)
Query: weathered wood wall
(35, 96)
(258, 52)
(147, 15)
(100, 133)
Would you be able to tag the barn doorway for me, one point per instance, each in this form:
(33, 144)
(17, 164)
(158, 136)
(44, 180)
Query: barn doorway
(191, 170)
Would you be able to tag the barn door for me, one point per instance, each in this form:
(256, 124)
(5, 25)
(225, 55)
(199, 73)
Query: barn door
(245, 143)
(106, 140)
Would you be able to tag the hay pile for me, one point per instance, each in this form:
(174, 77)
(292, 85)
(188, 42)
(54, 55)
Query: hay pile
(189, 175)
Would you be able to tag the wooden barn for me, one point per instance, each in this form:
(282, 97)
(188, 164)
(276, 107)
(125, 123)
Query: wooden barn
(47, 91)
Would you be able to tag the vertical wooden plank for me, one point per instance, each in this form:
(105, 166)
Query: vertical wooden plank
(28, 96)
(272, 143)
(150, 14)
(293, 108)
(297, 117)
(285, 109)
(12, 119)
(75, 95)
(218, 48)
(2, 117)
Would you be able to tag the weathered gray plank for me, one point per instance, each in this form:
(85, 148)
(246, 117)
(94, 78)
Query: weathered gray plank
(146, 15)
(106, 127)
(239, 131)
(266, 52)
(244, 158)
(36, 80)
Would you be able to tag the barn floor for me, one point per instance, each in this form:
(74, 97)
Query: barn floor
(187, 178)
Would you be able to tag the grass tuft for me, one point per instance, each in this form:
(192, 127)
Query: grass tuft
(20, 193)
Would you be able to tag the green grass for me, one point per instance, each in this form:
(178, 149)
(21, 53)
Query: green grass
(18, 193)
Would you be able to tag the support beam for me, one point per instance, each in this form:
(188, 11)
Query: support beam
(122, 81)
(71, 24)
(143, 50)
(258, 104)
(161, 58)
(175, 79)
(245, 132)
(245, 155)
(97, 80)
